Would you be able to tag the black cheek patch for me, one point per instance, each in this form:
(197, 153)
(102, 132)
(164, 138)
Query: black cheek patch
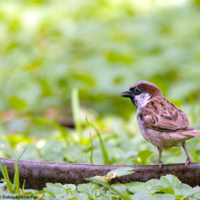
(133, 101)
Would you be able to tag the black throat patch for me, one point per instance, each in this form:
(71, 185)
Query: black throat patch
(134, 101)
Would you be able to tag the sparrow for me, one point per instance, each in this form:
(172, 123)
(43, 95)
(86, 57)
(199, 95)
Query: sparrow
(160, 122)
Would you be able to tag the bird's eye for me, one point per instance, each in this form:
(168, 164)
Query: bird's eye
(136, 90)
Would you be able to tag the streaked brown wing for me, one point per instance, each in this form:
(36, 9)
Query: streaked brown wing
(160, 113)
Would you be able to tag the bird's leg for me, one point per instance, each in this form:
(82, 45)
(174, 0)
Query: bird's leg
(159, 160)
(188, 161)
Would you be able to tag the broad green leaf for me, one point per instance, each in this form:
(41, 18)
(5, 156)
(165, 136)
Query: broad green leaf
(142, 188)
(169, 181)
(17, 103)
(124, 195)
(105, 197)
(115, 173)
(144, 155)
(88, 188)
(70, 198)
(197, 195)
(163, 197)
(121, 171)
(164, 189)
(129, 185)
(192, 192)
(69, 187)
(153, 182)
(82, 196)
(141, 196)
(182, 189)
(180, 197)
(56, 189)
(44, 191)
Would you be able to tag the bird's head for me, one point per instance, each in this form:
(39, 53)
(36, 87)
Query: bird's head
(141, 92)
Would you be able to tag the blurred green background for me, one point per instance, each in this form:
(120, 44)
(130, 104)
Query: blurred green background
(51, 48)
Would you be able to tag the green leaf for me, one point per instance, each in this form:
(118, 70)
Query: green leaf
(123, 194)
(192, 192)
(143, 156)
(17, 103)
(121, 171)
(182, 189)
(46, 89)
(3, 170)
(142, 196)
(69, 188)
(163, 197)
(164, 189)
(87, 188)
(6, 177)
(45, 191)
(180, 197)
(142, 188)
(152, 182)
(133, 184)
(105, 197)
(136, 162)
(170, 181)
(81, 196)
(56, 189)
(23, 186)
(16, 177)
(115, 173)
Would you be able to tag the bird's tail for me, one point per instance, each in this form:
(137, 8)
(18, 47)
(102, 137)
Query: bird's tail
(193, 133)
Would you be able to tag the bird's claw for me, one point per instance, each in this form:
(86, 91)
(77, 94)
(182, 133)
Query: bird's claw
(188, 161)
(160, 165)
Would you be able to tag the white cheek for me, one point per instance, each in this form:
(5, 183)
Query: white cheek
(142, 99)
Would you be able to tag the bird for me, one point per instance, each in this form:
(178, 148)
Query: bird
(160, 122)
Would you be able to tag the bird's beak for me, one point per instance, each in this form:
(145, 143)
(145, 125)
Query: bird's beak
(126, 93)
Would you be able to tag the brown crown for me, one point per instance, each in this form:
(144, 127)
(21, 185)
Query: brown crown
(149, 87)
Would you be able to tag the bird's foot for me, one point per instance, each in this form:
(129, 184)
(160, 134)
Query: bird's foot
(188, 161)
(160, 165)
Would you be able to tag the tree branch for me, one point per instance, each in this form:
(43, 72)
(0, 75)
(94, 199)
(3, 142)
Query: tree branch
(38, 173)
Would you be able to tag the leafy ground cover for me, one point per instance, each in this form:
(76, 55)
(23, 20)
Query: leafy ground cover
(87, 145)
(167, 187)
